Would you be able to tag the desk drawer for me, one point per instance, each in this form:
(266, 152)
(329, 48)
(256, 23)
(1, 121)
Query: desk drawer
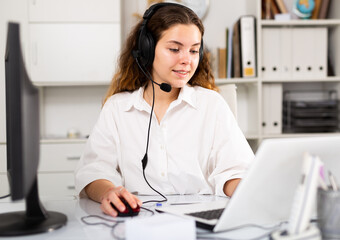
(3, 158)
(56, 184)
(60, 157)
(4, 187)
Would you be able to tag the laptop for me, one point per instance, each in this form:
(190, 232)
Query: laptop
(265, 195)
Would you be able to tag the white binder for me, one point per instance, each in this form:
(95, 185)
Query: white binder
(285, 47)
(248, 46)
(309, 53)
(272, 108)
(321, 52)
(270, 53)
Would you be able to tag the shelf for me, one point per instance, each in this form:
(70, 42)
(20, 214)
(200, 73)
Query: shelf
(251, 136)
(326, 79)
(70, 84)
(317, 23)
(62, 140)
(296, 135)
(221, 81)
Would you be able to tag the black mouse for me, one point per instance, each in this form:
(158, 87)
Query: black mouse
(129, 211)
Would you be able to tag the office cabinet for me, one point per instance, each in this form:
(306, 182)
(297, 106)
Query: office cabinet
(3, 157)
(2, 116)
(59, 157)
(73, 46)
(56, 184)
(4, 187)
(64, 53)
(74, 11)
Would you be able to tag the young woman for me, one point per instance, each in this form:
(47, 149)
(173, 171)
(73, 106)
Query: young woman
(193, 145)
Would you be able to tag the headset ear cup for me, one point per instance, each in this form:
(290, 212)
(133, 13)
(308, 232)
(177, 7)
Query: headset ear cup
(147, 48)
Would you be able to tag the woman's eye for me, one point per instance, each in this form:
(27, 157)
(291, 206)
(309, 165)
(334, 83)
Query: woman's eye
(173, 49)
(194, 51)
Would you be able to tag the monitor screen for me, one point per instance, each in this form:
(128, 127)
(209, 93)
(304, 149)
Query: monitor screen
(22, 138)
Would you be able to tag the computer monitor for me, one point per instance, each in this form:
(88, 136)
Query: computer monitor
(22, 126)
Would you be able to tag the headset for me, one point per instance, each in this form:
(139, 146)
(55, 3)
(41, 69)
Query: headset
(145, 53)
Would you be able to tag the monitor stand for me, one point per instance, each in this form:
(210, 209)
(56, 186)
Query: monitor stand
(32, 221)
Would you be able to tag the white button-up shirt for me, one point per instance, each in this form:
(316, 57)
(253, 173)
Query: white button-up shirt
(196, 147)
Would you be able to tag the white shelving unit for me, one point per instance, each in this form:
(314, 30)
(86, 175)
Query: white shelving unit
(251, 99)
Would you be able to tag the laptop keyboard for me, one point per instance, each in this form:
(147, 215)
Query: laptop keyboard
(209, 215)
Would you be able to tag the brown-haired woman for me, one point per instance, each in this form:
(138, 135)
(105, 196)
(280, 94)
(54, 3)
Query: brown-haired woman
(193, 142)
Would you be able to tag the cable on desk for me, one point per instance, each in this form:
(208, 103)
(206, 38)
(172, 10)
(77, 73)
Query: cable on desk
(113, 227)
(146, 209)
(116, 222)
(202, 236)
(83, 219)
(6, 196)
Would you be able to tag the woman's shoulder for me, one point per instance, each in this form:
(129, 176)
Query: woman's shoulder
(120, 98)
(207, 94)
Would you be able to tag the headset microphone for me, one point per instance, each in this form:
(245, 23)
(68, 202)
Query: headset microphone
(165, 87)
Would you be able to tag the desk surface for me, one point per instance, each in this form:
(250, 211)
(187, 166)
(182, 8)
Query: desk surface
(75, 208)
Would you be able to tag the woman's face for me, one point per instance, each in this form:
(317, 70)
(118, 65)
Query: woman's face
(177, 55)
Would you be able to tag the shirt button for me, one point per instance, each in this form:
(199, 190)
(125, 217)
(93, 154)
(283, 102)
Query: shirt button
(162, 147)
(163, 174)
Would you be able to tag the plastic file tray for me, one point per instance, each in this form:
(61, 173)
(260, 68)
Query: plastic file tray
(303, 114)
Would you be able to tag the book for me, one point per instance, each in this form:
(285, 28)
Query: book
(266, 9)
(236, 56)
(230, 53)
(222, 65)
(324, 9)
(274, 8)
(315, 13)
(227, 51)
(281, 5)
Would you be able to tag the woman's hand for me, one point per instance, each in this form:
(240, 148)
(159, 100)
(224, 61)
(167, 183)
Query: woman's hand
(114, 195)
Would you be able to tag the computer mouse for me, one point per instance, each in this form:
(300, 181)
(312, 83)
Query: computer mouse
(129, 211)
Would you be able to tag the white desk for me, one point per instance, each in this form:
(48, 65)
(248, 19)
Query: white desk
(76, 208)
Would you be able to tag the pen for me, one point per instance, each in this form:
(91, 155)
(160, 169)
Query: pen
(332, 181)
(322, 184)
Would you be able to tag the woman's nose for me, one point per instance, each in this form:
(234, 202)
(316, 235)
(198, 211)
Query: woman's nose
(186, 58)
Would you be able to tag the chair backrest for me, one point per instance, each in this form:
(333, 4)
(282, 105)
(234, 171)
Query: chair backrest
(228, 92)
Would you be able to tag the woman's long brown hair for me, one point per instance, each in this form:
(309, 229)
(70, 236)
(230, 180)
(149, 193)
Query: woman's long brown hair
(129, 77)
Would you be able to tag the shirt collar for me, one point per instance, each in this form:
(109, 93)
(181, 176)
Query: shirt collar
(187, 94)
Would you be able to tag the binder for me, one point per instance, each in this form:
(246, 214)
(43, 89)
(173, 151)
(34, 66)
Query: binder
(285, 68)
(248, 46)
(230, 53)
(320, 52)
(236, 51)
(272, 108)
(270, 53)
(309, 53)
